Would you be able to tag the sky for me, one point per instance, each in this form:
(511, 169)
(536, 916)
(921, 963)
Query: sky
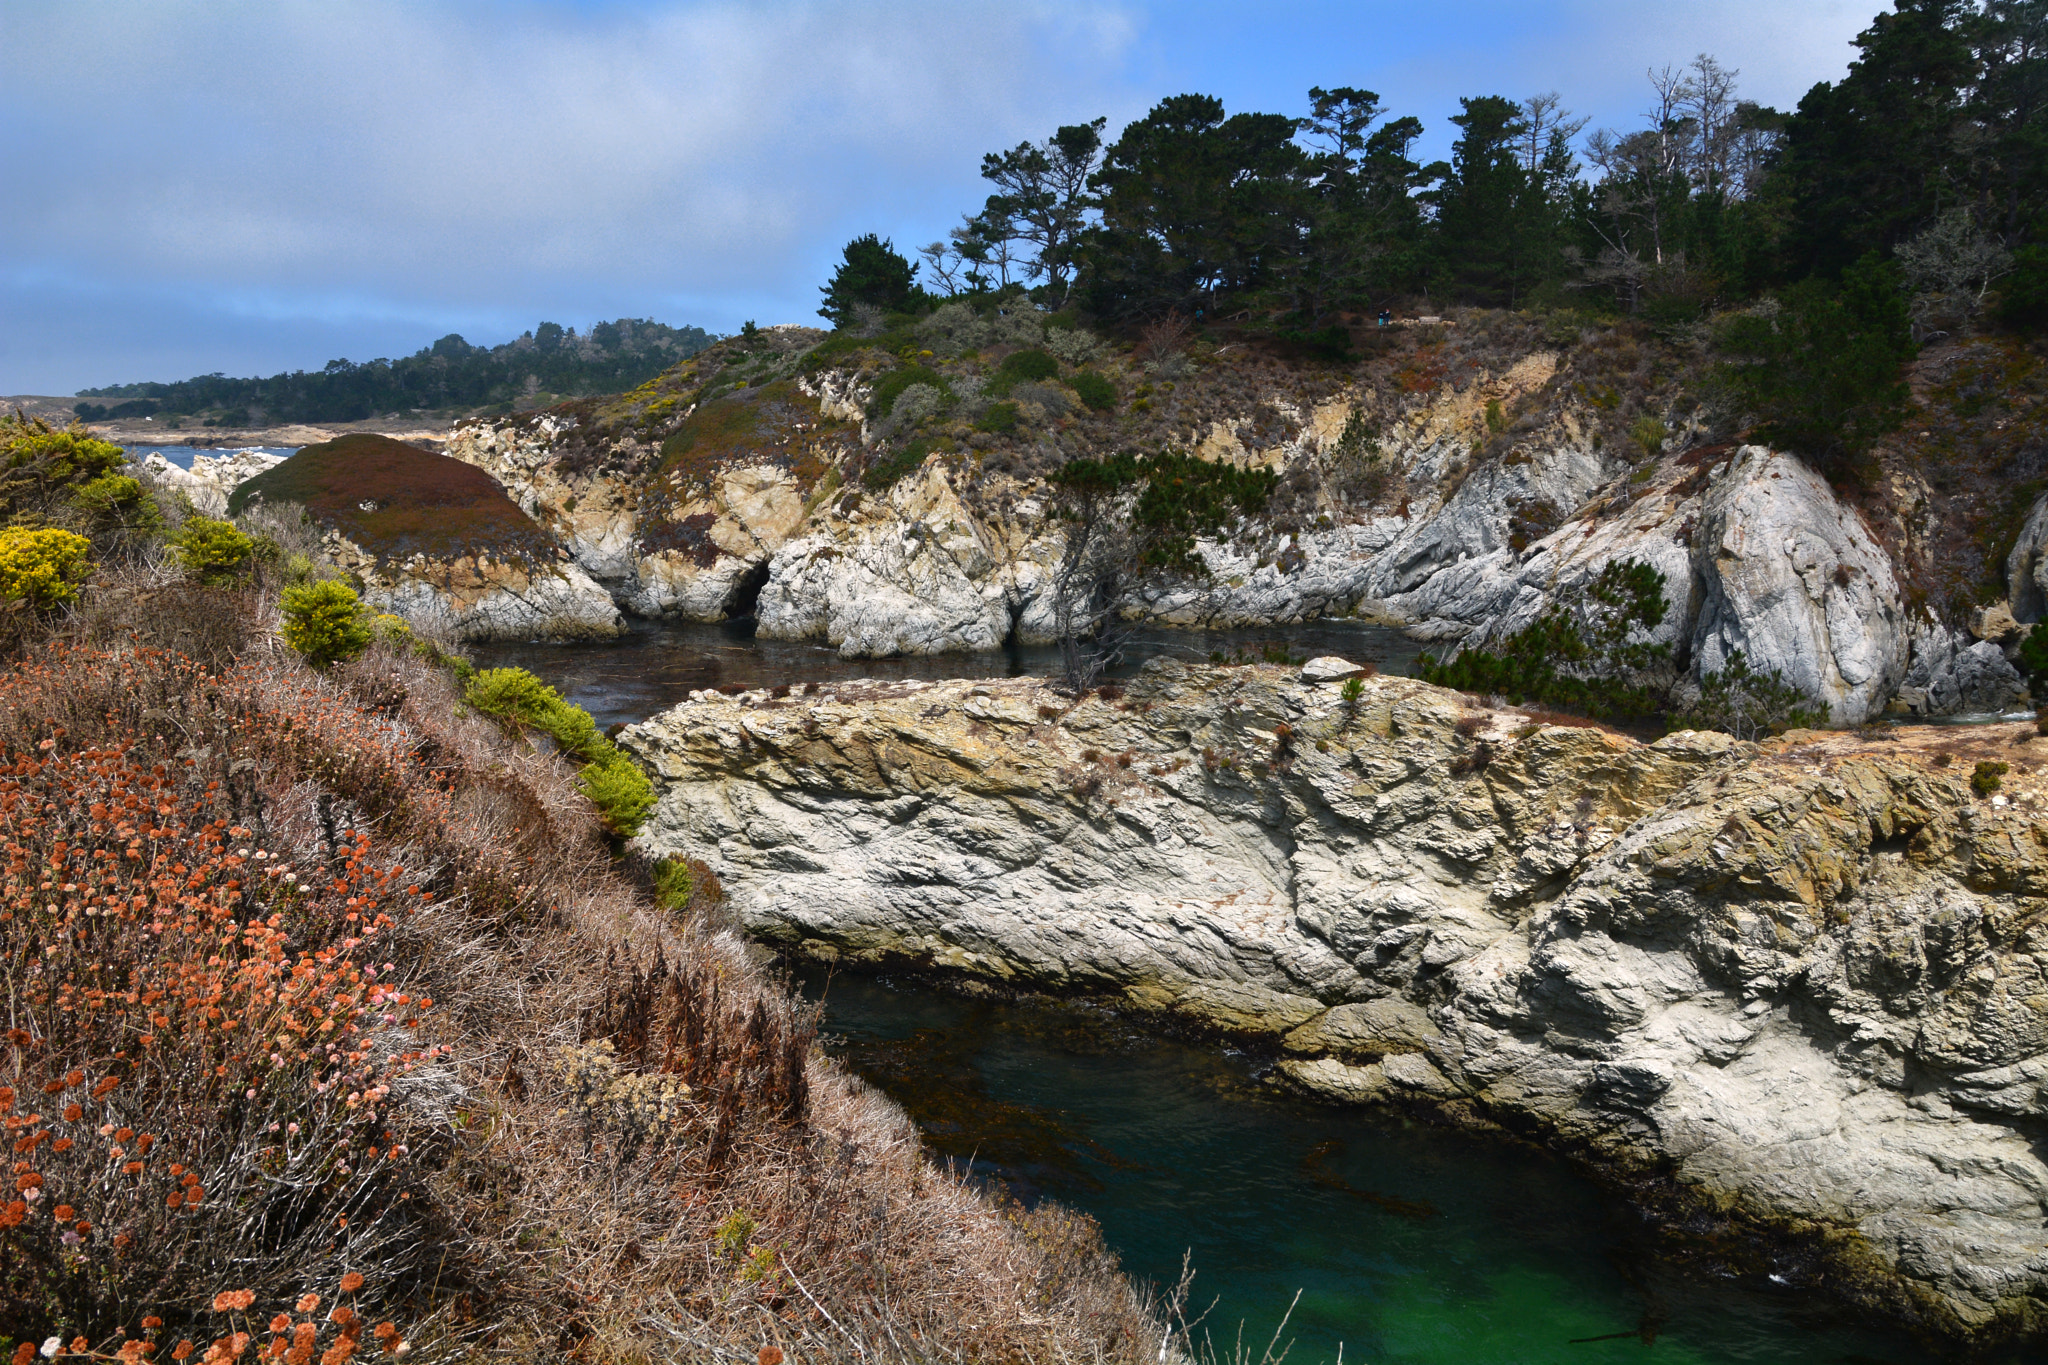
(253, 186)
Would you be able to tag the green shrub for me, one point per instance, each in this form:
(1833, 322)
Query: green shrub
(325, 622)
(1094, 390)
(1989, 777)
(999, 419)
(1748, 705)
(42, 568)
(1496, 417)
(2033, 657)
(1577, 655)
(882, 475)
(612, 781)
(1022, 366)
(1650, 434)
(619, 790)
(213, 551)
(890, 386)
(118, 500)
(674, 883)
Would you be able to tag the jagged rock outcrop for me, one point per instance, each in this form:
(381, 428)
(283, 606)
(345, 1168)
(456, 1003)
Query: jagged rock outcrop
(212, 479)
(479, 596)
(2026, 567)
(696, 558)
(1803, 986)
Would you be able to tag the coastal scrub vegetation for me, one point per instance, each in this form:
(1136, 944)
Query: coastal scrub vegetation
(396, 500)
(336, 1027)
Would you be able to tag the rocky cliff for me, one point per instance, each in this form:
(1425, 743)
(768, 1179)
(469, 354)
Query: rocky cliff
(866, 494)
(1798, 988)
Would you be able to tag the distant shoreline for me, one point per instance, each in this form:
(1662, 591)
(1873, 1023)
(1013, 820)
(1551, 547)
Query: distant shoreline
(141, 431)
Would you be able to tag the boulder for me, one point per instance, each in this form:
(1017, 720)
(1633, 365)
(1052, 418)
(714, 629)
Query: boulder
(212, 479)
(1792, 579)
(1330, 668)
(2026, 565)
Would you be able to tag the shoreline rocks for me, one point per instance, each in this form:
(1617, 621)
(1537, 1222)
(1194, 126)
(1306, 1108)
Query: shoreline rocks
(1801, 983)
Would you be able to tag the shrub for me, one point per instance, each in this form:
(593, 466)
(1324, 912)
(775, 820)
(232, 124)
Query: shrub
(1747, 704)
(1649, 433)
(39, 461)
(213, 551)
(1072, 346)
(894, 384)
(612, 781)
(2033, 656)
(1579, 653)
(1023, 366)
(42, 568)
(1094, 390)
(324, 622)
(1988, 777)
(120, 500)
(999, 419)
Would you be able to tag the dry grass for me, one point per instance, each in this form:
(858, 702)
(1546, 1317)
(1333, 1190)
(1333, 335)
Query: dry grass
(608, 1136)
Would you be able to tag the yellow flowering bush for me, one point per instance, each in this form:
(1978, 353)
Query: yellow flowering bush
(42, 568)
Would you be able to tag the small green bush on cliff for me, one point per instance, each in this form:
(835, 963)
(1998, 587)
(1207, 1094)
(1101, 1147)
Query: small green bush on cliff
(612, 781)
(213, 551)
(325, 622)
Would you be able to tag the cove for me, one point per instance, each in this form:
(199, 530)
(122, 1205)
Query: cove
(1409, 1243)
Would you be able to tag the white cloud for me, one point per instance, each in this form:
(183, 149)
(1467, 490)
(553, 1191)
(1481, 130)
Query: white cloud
(455, 150)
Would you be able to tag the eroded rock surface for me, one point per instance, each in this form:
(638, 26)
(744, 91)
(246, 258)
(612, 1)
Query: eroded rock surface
(1803, 984)
(212, 478)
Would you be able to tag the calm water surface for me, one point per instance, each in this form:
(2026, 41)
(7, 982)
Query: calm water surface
(1407, 1243)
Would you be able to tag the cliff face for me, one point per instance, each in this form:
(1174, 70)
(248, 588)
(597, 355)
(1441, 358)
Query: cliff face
(1449, 486)
(1802, 985)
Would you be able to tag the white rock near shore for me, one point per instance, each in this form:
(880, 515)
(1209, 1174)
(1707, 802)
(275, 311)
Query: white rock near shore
(1799, 985)
(212, 477)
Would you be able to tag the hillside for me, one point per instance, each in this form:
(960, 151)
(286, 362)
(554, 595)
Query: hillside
(1458, 476)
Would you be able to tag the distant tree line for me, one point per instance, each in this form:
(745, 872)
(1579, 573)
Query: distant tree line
(451, 373)
(1928, 161)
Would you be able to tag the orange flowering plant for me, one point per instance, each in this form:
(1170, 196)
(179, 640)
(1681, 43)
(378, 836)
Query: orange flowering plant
(208, 1026)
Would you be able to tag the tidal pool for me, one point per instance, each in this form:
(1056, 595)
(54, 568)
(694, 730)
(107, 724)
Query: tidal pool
(1408, 1243)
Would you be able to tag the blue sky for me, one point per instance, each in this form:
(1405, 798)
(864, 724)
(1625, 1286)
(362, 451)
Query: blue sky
(254, 187)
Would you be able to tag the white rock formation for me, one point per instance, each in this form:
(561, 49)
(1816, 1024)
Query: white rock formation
(1799, 987)
(482, 597)
(212, 478)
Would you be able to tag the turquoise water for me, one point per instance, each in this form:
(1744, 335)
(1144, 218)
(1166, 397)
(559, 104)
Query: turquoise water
(1408, 1243)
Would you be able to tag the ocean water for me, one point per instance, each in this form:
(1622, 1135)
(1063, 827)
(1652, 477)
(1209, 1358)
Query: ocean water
(1405, 1242)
